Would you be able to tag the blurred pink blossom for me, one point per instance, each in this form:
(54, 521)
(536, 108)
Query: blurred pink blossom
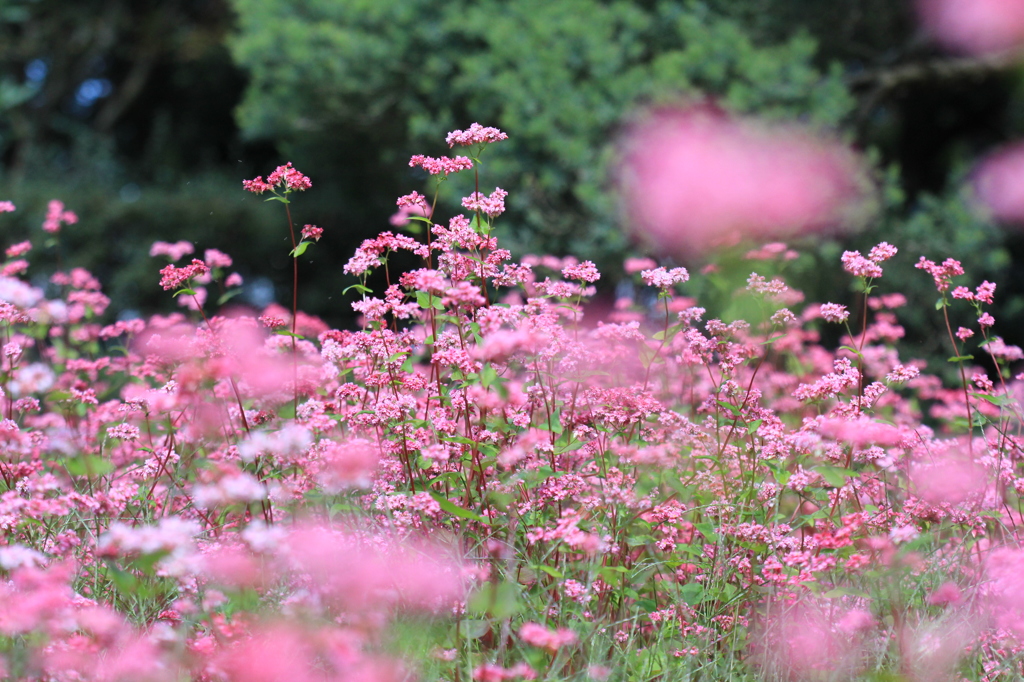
(696, 178)
(975, 26)
(999, 184)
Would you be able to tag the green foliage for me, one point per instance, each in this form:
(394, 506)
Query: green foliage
(564, 75)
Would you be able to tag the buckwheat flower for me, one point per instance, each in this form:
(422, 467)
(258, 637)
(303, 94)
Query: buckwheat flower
(985, 292)
(19, 249)
(312, 232)
(664, 279)
(859, 266)
(441, 165)
(474, 134)
(126, 432)
(173, 277)
(784, 317)
(882, 252)
(552, 640)
(1000, 349)
(585, 272)
(901, 374)
(217, 259)
(492, 206)
(236, 488)
(998, 184)
(285, 177)
(174, 252)
(760, 285)
(233, 280)
(962, 293)
(634, 265)
(942, 274)
(696, 178)
(975, 26)
(833, 312)
(6, 207)
(986, 320)
(414, 199)
(288, 177)
(256, 185)
(17, 556)
(55, 215)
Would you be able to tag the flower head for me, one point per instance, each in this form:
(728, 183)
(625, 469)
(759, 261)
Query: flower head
(474, 134)
(285, 177)
(694, 178)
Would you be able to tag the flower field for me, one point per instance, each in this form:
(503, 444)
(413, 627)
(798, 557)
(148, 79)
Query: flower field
(495, 480)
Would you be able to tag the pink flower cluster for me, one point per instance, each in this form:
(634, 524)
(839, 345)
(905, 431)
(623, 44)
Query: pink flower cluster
(172, 277)
(475, 134)
(491, 206)
(977, 26)
(539, 636)
(284, 177)
(942, 274)
(56, 215)
(869, 267)
(696, 178)
(443, 165)
(312, 232)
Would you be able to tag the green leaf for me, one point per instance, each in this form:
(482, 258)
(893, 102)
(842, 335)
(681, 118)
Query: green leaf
(835, 476)
(730, 407)
(456, 510)
(187, 292)
(692, 593)
(753, 426)
(553, 572)
(473, 628)
(960, 358)
(88, 465)
(361, 288)
(299, 250)
(227, 296)
(499, 601)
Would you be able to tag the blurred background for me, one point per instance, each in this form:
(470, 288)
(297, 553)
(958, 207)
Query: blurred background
(144, 118)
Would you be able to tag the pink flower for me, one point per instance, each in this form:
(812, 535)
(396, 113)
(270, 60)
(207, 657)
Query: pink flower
(809, 640)
(696, 178)
(493, 205)
(6, 207)
(635, 265)
(475, 134)
(174, 278)
(975, 26)
(942, 274)
(19, 249)
(217, 259)
(664, 279)
(833, 312)
(174, 252)
(998, 182)
(312, 232)
(443, 165)
(552, 640)
(55, 215)
(585, 271)
(286, 177)
(952, 479)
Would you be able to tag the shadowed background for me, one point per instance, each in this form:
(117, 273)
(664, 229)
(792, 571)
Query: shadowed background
(145, 117)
